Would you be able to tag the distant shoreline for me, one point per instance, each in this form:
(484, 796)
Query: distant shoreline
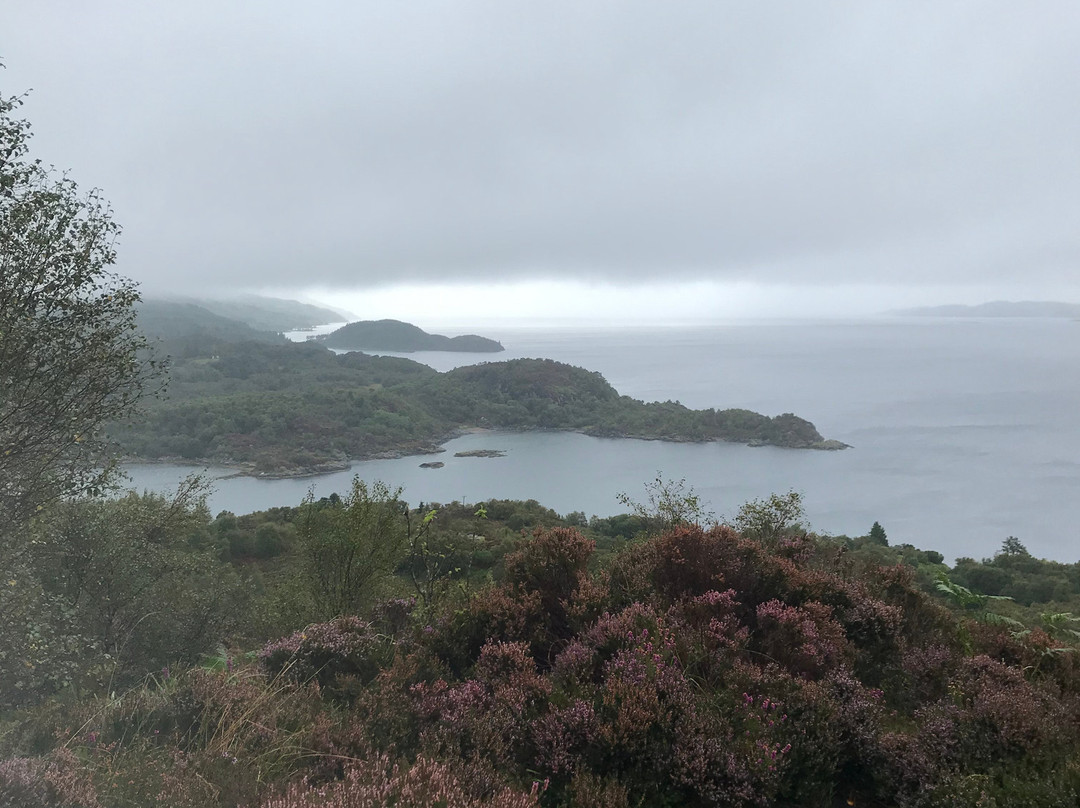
(240, 469)
(1033, 309)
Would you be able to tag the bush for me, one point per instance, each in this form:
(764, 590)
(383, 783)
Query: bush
(324, 652)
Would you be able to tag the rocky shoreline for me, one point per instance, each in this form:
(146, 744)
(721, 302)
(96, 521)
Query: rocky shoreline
(247, 469)
(481, 453)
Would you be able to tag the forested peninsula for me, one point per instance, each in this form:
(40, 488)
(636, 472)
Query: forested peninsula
(290, 409)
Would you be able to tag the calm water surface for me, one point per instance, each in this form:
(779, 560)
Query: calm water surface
(964, 431)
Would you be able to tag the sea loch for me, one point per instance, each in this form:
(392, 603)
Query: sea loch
(963, 431)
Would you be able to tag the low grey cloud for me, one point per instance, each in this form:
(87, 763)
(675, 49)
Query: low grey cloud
(361, 144)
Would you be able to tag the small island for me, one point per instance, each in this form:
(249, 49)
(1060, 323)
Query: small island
(481, 453)
(400, 337)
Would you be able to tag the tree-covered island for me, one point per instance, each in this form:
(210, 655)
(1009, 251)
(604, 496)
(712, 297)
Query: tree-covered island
(394, 335)
(288, 409)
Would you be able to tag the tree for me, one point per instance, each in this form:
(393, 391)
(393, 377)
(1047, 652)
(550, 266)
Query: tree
(110, 589)
(669, 503)
(877, 535)
(771, 518)
(139, 576)
(1012, 546)
(351, 546)
(71, 359)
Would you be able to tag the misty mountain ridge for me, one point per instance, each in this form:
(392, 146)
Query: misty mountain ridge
(996, 308)
(398, 336)
(189, 326)
(265, 313)
(180, 325)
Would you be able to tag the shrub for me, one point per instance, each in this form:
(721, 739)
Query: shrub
(344, 647)
(691, 561)
(553, 563)
(805, 639)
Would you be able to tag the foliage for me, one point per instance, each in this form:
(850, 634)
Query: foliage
(698, 667)
(71, 359)
(435, 557)
(324, 652)
(351, 546)
(1014, 572)
(877, 534)
(186, 329)
(669, 503)
(973, 602)
(123, 587)
(1062, 624)
(771, 518)
(41, 653)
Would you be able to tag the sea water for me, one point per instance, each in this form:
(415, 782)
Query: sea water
(963, 431)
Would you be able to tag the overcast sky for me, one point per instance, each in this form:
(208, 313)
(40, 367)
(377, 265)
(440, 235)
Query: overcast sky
(697, 157)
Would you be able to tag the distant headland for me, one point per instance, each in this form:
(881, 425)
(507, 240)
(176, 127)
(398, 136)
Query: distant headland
(394, 335)
(997, 308)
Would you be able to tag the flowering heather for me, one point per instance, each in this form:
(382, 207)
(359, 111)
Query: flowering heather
(498, 613)
(510, 671)
(553, 563)
(689, 561)
(701, 669)
(715, 617)
(56, 782)
(642, 700)
(346, 646)
(463, 722)
(1013, 717)
(392, 616)
(799, 548)
(487, 718)
(805, 639)
(563, 734)
(380, 782)
(574, 667)
(928, 668)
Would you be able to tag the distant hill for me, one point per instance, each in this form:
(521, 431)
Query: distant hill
(996, 308)
(187, 329)
(268, 313)
(394, 335)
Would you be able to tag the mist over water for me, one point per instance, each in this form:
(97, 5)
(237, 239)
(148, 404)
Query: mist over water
(963, 431)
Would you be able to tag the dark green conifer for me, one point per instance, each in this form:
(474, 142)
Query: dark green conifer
(877, 535)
